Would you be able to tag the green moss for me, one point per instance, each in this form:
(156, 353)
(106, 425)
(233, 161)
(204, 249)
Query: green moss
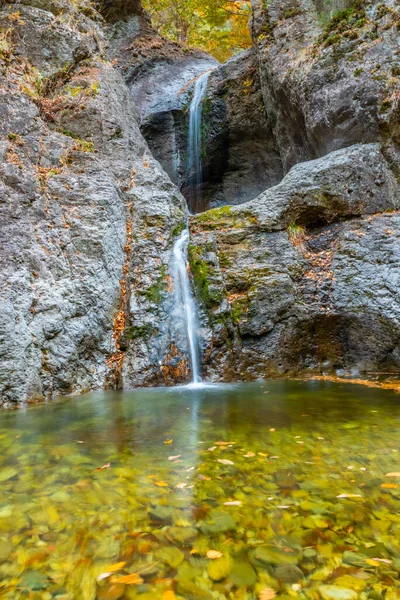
(358, 71)
(291, 12)
(385, 106)
(225, 218)
(155, 293)
(239, 307)
(296, 233)
(200, 273)
(178, 228)
(143, 331)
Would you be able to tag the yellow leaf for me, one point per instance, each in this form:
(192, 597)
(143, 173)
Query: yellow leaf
(168, 442)
(267, 594)
(249, 455)
(161, 483)
(390, 486)
(224, 443)
(168, 595)
(116, 567)
(225, 461)
(262, 454)
(133, 579)
(372, 562)
(395, 474)
(213, 554)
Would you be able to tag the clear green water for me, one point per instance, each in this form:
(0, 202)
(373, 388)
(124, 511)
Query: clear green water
(159, 508)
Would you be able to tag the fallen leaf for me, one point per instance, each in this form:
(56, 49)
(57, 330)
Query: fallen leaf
(132, 579)
(233, 503)
(161, 483)
(203, 477)
(174, 457)
(262, 454)
(224, 443)
(249, 455)
(212, 448)
(349, 496)
(225, 461)
(395, 474)
(372, 562)
(267, 594)
(179, 486)
(106, 466)
(213, 554)
(168, 442)
(116, 567)
(103, 576)
(390, 486)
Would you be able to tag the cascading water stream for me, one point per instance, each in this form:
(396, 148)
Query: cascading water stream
(185, 301)
(194, 165)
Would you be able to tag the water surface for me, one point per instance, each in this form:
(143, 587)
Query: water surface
(201, 493)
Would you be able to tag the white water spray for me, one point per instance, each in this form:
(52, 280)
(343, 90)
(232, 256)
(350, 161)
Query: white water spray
(194, 166)
(185, 302)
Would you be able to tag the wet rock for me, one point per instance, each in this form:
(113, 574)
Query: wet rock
(288, 573)
(34, 581)
(191, 591)
(284, 478)
(271, 555)
(333, 592)
(220, 568)
(161, 514)
(171, 556)
(218, 522)
(183, 535)
(243, 575)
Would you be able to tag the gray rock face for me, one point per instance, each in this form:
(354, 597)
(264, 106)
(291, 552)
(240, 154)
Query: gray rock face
(240, 155)
(87, 217)
(329, 86)
(281, 297)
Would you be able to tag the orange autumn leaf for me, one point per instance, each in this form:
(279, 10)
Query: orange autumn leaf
(161, 483)
(390, 486)
(116, 567)
(267, 594)
(395, 474)
(132, 579)
(106, 466)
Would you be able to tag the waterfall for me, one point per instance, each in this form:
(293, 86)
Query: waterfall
(185, 304)
(194, 165)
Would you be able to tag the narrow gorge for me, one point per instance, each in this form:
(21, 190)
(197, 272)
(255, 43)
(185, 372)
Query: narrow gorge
(292, 204)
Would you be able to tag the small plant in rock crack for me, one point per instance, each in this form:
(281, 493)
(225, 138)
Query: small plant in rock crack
(297, 235)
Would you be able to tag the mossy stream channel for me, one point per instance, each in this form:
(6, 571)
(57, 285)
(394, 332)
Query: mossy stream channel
(245, 491)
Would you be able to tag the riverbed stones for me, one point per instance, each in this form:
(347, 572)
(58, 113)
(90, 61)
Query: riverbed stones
(333, 592)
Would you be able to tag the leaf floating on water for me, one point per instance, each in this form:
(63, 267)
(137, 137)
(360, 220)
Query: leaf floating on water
(372, 562)
(106, 466)
(116, 567)
(249, 455)
(349, 496)
(133, 579)
(225, 461)
(167, 442)
(174, 457)
(233, 503)
(179, 486)
(213, 554)
(224, 443)
(394, 474)
(390, 486)
(161, 483)
(267, 594)
(103, 576)
(262, 454)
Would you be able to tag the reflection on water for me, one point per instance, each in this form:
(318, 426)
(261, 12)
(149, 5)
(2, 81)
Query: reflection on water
(201, 493)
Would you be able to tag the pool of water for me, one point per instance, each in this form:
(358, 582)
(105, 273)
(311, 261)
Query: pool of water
(242, 491)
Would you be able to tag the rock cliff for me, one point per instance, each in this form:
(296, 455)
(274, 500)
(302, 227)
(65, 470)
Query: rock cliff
(301, 133)
(88, 217)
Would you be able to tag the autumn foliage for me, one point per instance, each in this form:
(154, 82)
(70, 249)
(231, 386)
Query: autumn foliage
(219, 27)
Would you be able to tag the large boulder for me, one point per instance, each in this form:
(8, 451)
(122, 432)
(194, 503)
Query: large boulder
(305, 277)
